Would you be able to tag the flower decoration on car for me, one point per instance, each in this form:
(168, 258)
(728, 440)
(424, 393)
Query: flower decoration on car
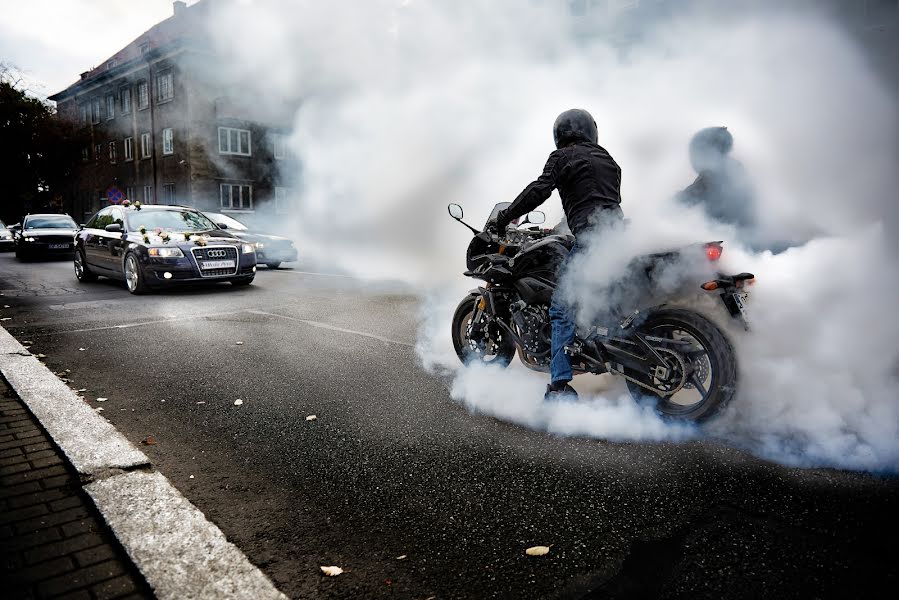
(164, 236)
(143, 230)
(201, 240)
(126, 202)
(137, 204)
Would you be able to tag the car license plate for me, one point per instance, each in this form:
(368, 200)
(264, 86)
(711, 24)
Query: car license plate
(59, 246)
(218, 264)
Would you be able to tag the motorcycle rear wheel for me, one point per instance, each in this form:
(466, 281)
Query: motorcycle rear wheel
(712, 363)
(499, 352)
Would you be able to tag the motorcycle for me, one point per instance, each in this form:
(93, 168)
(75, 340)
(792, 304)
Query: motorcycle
(674, 356)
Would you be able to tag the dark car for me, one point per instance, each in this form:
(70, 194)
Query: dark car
(160, 246)
(7, 240)
(271, 250)
(45, 236)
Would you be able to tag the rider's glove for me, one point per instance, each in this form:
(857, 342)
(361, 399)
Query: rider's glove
(502, 222)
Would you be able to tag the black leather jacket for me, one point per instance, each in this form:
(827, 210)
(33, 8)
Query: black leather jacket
(588, 180)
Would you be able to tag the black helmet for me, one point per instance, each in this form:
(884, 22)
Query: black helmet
(574, 125)
(709, 147)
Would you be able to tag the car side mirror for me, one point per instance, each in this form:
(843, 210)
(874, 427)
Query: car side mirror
(455, 211)
(222, 225)
(113, 228)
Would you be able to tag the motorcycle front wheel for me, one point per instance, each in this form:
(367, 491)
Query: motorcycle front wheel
(709, 359)
(490, 349)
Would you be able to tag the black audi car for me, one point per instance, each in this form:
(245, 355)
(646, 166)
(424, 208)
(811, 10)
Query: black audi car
(271, 250)
(151, 247)
(45, 236)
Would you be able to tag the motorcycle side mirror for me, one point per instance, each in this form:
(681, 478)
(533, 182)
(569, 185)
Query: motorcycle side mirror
(455, 211)
(536, 217)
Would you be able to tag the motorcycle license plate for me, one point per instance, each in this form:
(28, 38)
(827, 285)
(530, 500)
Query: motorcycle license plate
(740, 299)
(59, 246)
(217, 264)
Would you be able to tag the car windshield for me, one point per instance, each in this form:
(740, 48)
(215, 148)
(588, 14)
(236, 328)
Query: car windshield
(229, 222)
(169, 220)
(2, 225)
(50, 222)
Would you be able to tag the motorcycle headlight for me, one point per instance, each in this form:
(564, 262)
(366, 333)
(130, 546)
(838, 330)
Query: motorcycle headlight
(30, 239)
(165, 252)
(249, 248)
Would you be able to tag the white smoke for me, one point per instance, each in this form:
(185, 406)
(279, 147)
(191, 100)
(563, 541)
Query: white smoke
(406, 106)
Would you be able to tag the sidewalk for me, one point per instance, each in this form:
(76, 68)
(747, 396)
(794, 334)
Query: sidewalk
(53, 543)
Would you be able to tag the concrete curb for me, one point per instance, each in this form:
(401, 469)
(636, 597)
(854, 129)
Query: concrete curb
(180, 553)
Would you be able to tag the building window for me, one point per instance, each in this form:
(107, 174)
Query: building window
(112, 152)
(281, 194)
(165, 86)
(278, 145)
(234, 141)
(85, 154)
(98, 150)
(143, 95)
(126, 100)
(148, 194)
(168, 193)
(110, 65)
(129, 148)
(236, 196)
(110, 107)
(145, 47)
(95, 111)
(84, 110)
(168, 141)
(145, 145)
(129, 193)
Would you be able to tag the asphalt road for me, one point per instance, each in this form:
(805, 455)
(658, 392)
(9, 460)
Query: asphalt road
(392, 467)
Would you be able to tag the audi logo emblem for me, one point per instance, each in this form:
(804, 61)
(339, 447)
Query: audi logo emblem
(217, 254)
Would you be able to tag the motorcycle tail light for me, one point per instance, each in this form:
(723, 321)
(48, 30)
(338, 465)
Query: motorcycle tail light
(714, 250)
(710, 286)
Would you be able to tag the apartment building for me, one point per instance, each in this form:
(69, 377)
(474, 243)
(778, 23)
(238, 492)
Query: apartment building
(164, 130)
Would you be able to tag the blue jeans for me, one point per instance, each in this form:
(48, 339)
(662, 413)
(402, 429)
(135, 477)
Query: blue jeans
(563, 328)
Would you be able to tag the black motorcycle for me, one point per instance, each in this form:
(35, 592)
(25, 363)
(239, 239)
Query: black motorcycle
(675, 356)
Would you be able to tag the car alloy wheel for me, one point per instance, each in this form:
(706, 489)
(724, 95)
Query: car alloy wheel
(132, 275)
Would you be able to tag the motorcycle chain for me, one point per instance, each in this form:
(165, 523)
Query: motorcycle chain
(679, 387)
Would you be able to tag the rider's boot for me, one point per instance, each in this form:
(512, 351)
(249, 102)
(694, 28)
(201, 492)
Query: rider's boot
(560, 390)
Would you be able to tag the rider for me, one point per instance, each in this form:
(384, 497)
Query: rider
(589, 182)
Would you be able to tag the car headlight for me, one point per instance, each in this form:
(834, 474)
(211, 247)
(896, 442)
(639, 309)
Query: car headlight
(30, 239)
(249, 248)
(259, 245)
(165, 252)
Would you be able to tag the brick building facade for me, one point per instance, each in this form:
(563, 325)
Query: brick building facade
(163, 130)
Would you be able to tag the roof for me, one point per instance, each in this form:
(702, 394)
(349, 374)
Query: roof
(178, 27)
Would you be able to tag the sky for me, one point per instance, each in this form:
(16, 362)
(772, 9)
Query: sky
(54, 41)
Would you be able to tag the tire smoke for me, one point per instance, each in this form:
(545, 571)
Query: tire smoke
(406, 106)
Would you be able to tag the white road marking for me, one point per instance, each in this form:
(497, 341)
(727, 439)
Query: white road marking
(333, 328)
(312, 273)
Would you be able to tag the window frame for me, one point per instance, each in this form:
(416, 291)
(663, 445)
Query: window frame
(110, 107)
(146, 145)
(98, 151)
(169, 75)
(168, 193)
(148, 194)
(95, 111)
(113, 153)
(168, 141)
(124, 93)
(145, 85)
(229, 151)
(129, 149)
(278, 146)
(231, 206)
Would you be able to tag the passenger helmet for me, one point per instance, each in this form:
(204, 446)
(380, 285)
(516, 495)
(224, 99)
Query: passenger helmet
(709, 147)
(574, 125)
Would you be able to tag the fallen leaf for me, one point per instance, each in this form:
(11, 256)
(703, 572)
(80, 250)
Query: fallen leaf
(311, 418)
(191, 477)
(149, 441)
(6, 306)
(238, 402)
(238, 343)
(99, 409)
(27, 342)
(83, 390)
(332, 571)
(40, 355)
(200, 402)
(68, 370)
(82, 349)
(401, 557)
(102, 399)
(537, 551)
